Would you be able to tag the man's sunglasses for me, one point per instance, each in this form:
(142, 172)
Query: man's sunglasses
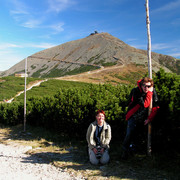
(146, 86)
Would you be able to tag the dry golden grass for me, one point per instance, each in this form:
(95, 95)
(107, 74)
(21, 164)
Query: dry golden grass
(118, 74)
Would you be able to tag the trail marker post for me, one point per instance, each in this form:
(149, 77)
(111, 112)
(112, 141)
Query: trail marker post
(25, 94)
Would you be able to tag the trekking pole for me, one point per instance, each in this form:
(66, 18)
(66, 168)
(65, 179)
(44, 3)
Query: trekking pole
(25, 94)
(149, 150)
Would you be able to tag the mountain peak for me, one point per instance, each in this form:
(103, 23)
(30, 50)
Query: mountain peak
(92, 52)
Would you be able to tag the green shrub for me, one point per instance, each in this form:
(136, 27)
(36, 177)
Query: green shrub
(71, 110)
(11, 114)
(167, 124)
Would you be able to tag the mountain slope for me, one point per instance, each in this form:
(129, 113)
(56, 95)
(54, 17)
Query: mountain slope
(90, 53)
(119, 74)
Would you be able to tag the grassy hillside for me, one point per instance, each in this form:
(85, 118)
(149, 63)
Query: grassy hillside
(51, 87)
(10, 86)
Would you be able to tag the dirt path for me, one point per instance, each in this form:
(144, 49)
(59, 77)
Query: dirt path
(37, 83)
(16, 165)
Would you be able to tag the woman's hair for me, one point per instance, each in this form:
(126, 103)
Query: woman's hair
(100, 111)
(147, 79)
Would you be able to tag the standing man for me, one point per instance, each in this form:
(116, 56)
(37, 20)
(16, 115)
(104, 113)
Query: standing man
(98, 137)
(140, 99)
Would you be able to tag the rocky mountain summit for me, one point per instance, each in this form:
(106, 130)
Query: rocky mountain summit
(93, 52)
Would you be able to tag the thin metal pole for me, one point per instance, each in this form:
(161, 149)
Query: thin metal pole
(149, 150)
(25, 95)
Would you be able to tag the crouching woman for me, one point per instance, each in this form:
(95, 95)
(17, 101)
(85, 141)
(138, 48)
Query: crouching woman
(98, 137)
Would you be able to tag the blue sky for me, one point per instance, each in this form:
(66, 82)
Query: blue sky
(29, 26)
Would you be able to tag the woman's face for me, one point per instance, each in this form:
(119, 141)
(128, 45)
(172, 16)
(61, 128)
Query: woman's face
(146, 86)
(100, 119)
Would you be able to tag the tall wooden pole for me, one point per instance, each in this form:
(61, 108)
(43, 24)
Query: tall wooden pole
(149, 39)
(25, 94)
(149, 150)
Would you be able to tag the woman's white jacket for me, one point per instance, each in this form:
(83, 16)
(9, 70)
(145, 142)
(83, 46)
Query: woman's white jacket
(105, 137)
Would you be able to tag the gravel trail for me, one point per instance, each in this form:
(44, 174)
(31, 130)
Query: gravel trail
(16, 165)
